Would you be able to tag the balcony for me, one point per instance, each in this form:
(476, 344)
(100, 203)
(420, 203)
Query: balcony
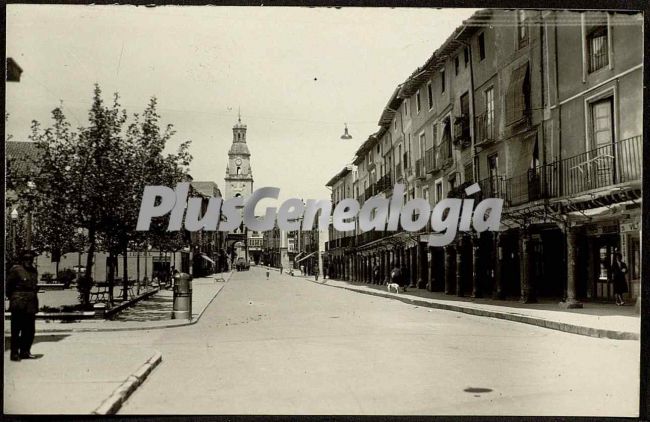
(608, 165)
(485, 131)
(620, 162)
(430, 160)
(383, 184)
(461, 131)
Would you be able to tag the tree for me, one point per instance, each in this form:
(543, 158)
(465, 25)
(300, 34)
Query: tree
(93, 178)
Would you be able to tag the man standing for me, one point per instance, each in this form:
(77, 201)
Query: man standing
(22, 292)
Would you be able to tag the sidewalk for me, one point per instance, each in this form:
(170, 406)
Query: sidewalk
(71, 377)
(149, 314)
(595, 319)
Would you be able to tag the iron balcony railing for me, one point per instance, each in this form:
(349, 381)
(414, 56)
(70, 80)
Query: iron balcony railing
(612, 164)
(599, 168)
(430, 160)
(485, 128)
(384, 183)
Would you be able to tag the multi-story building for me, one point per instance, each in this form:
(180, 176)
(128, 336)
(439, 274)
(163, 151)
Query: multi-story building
(555, 134)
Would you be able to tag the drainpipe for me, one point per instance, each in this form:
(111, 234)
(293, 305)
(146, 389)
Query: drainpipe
(559, 115)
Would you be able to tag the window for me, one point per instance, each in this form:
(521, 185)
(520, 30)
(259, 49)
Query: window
(598, 48)
(469, 172)
(417, 101)
(452, 182)
(488, 130)
(466, 56)
(434, 134)
(378, 148)
(406, 107)
(456, 65)
(429, 95)
(438, 191)
(395, 124)
(423, 141)
(442, 81)
(238, 170)
(522, 29)
(477, 173)
(493, 168)
(425, 193)
(481, 46)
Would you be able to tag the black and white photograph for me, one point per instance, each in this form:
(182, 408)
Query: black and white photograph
(292, 210)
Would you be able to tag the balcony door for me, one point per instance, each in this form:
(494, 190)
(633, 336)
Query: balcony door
(603, 155)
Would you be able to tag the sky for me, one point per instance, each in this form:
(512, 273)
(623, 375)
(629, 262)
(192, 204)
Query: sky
(297, 74)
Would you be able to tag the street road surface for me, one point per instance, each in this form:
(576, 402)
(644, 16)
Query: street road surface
(290, 346)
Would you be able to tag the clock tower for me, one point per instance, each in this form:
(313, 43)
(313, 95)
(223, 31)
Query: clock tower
(239, 177)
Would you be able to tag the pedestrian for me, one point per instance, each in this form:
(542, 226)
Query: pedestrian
(267, 273)
(396, 275)
(22, 291)
(619, 270)
(375, 272)
(405, 276)
(280, 268)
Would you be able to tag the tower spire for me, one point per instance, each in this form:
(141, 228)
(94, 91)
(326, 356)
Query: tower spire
(239, 114)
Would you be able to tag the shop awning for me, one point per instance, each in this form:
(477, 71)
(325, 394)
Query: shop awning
(305, 257)
(516, 94)
(207, 259)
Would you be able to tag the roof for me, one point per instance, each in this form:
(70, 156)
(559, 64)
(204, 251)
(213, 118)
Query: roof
(21, 155)
(13, 70)
(347, 169)
(239, 148)
(366, 146)
(206, 188)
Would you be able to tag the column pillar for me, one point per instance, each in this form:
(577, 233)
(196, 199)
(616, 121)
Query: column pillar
(498, 265)
(525, 267)
(460, 266)
(476, 276)
(450, 267)
(431, 280)
(571, 274)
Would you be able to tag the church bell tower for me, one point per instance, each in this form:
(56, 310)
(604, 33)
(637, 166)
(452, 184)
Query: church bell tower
(239, 177)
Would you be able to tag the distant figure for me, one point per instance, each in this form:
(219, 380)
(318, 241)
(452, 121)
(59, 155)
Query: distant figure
(396, 275)
(280, 268)
(619, 270)
(375, 273)
(267, 273)
(22, 289)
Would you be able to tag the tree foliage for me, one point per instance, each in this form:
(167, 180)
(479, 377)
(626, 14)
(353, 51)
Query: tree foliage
(94, 177)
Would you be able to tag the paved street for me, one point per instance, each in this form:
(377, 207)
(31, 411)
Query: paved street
(288, 345)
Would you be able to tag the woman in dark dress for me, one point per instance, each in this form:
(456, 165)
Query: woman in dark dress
(619, 269)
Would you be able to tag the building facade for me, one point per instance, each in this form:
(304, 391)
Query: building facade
(555, 134)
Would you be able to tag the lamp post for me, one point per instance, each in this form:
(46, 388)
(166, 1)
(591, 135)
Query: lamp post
(14, 222)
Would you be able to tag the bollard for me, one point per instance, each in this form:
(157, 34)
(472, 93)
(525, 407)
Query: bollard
(182, 308)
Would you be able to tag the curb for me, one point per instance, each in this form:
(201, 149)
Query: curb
(540, 322)
(171, 324)
(114, 402)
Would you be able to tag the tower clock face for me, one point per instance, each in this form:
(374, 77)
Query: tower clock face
(238, 161)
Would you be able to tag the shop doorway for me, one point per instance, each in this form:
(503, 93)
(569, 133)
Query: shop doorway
(602, 258)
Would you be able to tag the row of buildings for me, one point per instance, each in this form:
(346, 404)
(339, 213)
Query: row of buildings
(542, 109)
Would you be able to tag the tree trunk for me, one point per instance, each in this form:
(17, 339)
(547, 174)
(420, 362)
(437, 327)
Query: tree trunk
(111, 276)
(125, 275)
(89, 263)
